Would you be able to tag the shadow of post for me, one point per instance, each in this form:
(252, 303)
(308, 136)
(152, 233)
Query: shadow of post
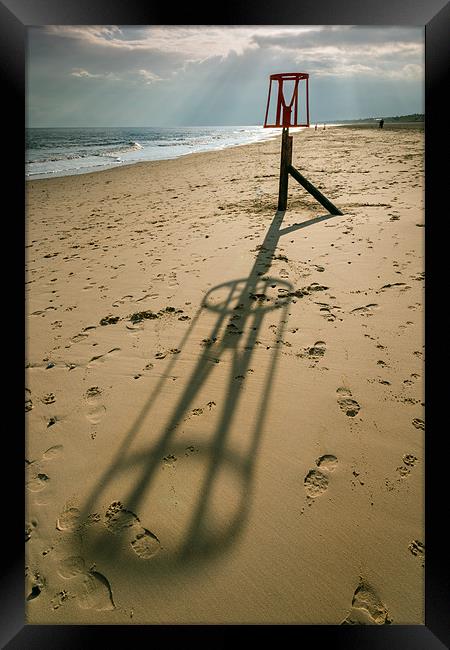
(241, 306)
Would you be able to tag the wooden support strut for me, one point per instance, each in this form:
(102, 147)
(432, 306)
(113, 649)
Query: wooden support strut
(286, 168)
(309, 187)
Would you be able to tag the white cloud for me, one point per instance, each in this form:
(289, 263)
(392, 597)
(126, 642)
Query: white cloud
(351, 69)
(92, 33)
(412, 71)
(340, 50)
(193, 42)
(149, 76)
(85, 74)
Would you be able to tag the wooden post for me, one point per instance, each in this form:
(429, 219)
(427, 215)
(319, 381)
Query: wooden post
(309, 187)
(286, 160)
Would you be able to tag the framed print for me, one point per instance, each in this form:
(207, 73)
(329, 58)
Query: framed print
(224, 325)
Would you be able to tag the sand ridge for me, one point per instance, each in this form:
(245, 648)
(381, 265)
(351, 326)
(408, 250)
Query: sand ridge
(224, 404)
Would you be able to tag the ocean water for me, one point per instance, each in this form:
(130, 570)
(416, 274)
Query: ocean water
(65, 151)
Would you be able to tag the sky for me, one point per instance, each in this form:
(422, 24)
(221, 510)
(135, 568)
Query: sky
(217, 75)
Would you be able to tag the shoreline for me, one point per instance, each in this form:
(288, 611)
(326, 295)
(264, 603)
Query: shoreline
(365, 125)
(144, 163)
(108, 166)
(224, 403)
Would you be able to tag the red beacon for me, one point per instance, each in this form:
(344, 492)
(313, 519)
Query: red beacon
(288, 114)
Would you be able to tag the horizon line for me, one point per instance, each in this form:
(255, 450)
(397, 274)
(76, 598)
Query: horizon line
(173, 126)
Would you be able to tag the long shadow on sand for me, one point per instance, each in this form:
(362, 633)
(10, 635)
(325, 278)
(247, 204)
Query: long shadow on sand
(241, 306)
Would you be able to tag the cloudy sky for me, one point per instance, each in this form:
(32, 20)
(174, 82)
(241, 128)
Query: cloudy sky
(214, 75)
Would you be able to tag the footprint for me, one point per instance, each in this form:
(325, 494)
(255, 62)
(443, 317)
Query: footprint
(68, 520)
(102, 357)
(316, 482)
(71, 566)
(326, 311)
(78, 337)
(207, 342)
(317, 350)
(59, 599)
(394, 284)
(52, 452)
(109, 320)
(35, 583)
(403, 471)
(29, 527)
(348, 405)
(91, 589)
(313, 353)
(119, 520)
(28, 400)
(96, 410)
(367, 608)
(416, 547)
(409, 460)
(139, 325)
(96, 413)
(328, 462)
(96, 593)
(367, 310)
(92, 393)
(146, 544)
(38, 482)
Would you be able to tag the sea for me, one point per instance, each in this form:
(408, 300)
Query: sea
(64, 151)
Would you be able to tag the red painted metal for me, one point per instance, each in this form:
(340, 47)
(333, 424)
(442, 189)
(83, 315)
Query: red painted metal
(287, 114)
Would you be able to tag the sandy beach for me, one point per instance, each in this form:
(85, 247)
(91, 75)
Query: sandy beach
(225, 403)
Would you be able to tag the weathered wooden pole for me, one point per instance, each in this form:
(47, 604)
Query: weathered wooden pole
(309, 187)
(286, 160)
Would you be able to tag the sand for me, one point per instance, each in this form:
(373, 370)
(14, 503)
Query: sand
(224, 404)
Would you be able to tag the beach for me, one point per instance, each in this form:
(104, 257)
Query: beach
(225, 403)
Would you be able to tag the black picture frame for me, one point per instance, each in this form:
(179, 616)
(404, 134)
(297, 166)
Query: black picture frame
(15, 17)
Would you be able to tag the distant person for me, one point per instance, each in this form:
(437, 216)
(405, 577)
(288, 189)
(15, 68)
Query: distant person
(324, 127)
(315, 128)
(381, 123)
